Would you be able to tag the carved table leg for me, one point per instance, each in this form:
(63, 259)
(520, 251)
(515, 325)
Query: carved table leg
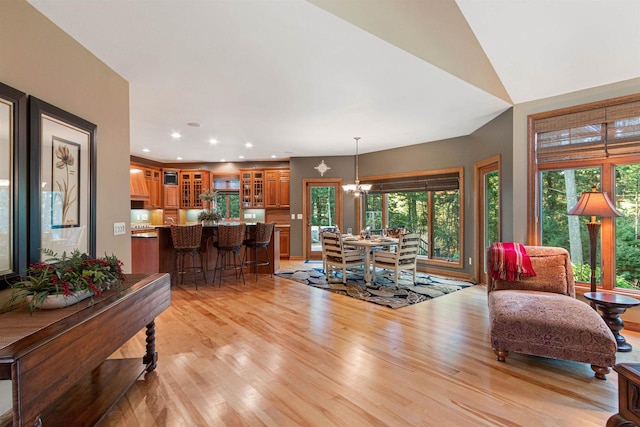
(611, 316)
(151, 358)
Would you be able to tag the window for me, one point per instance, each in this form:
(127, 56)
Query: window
(228, 205)
(427, 202)
(572, 150)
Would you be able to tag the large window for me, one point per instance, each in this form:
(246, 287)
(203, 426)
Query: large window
(570, 152)
(427, 202)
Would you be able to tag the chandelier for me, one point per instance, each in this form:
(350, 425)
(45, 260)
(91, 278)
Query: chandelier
(356, 188)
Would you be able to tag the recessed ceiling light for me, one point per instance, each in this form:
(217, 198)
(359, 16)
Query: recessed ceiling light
(176, 135)
(241, 157)
(194, 124)
(146, 150)
(213, 141)
(248, 145)
(178, 158)
(273, 156)
(222, 160)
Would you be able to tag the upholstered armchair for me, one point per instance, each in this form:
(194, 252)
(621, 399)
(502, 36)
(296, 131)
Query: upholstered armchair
(540, 315)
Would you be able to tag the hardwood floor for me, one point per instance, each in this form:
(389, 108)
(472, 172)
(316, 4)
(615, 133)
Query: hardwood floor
(279, 353)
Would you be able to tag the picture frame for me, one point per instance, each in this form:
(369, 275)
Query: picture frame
(13, 184)
(62, 182)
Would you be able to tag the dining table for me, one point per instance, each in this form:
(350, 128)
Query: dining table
(368, 244)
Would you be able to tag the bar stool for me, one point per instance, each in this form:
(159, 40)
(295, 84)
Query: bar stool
(230, 238)
(260, 237)
(186, 240)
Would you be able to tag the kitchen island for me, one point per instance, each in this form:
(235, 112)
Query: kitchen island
(153, 252)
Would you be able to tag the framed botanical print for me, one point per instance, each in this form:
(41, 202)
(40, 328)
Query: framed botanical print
(63, 182)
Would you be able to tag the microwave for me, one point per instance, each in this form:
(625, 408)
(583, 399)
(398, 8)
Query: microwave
(170, 178)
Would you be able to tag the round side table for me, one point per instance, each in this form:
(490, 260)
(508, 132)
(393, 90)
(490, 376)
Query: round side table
(612, 306)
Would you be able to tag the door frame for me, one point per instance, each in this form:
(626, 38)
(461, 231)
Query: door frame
(306, 185)
(480, 169)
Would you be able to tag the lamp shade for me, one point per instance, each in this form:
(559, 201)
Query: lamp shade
(594, 203)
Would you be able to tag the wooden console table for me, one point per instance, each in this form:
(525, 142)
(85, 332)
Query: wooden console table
(57, 359)
(628, 396)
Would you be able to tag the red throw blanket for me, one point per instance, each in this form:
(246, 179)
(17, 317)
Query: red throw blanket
(509, 261)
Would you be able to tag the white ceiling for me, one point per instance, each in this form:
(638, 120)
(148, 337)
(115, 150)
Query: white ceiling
(298, 78)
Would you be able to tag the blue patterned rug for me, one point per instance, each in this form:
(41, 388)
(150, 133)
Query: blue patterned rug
(383, 291)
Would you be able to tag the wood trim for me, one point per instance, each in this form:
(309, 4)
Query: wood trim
(481, 168)
(305, 205)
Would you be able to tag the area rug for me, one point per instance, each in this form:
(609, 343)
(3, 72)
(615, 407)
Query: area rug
(383, 291)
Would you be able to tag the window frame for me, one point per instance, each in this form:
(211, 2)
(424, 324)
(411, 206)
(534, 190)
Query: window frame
(607, 164)
(19, 185)
(439, 262)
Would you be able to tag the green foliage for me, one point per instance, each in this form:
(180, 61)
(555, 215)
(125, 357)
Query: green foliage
(65, 275)
(555, 201)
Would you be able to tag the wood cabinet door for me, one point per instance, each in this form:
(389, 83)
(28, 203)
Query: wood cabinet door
(271, 189)
(156, 189)
(284, 243)
(258, 189)
(283, 189)
(171, 197)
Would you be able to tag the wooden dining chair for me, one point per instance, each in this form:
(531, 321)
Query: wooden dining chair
(403, 259)
(336, 256)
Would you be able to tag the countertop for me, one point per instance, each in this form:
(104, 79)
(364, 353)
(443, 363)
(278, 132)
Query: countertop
(146, 235)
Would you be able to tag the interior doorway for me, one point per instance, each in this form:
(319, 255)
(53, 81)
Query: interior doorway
(322, 204)
(488, 208)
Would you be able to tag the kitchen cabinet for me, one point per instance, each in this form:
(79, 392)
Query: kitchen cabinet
(284, 242)
(252, 188)
(138, 187)
(171, 197)
(277, 188)
(192, 184)
(154, 183)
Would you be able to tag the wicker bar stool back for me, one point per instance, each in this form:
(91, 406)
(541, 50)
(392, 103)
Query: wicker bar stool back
(260, 238)
(186, 240)
(230, 238)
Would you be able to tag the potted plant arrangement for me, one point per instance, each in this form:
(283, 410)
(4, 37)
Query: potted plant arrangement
(211, 214)
(65, 280)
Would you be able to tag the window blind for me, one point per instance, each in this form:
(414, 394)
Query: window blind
(601, 132)
(439, 182)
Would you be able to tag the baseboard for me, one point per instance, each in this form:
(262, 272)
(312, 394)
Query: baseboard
(297, 258)
(446, 273)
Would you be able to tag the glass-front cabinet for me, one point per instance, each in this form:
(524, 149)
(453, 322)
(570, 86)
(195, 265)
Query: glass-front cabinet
(192, 184)
(252, 189)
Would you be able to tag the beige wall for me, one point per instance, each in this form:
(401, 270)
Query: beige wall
(39, 59)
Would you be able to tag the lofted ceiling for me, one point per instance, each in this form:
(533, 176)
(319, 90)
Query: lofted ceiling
(299, 78)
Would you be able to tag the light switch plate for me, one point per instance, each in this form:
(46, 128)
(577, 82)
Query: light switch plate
(119, 228)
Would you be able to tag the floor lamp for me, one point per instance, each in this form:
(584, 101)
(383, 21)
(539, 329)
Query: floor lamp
(594, 204)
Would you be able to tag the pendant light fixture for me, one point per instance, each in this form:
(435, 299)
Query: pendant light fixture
(357, 188)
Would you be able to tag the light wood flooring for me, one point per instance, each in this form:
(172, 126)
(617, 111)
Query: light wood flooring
(280, 353)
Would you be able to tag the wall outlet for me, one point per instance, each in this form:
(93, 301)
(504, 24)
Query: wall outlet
(469, 260)
(119, 228)
(293, 216)
(299, 216)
